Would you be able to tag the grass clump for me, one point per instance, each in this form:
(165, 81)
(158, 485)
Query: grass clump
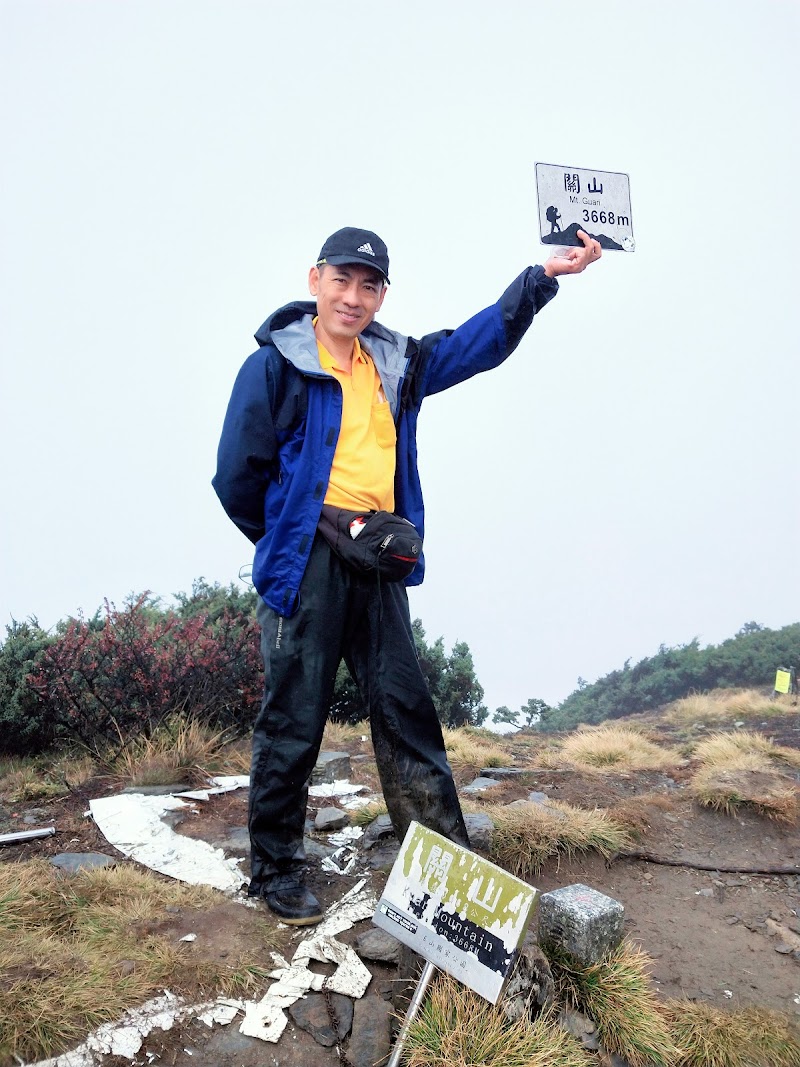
(617, 995)
(42, 777)
(608, 747)
(183, 749)
(78, 951)
(470, 748)
(364, 815)
(751, 1037)
(527, 835)
(727, 789)
(720, 705)
(457, 1028)
(744, 768)
(744, 749)
(338, 734)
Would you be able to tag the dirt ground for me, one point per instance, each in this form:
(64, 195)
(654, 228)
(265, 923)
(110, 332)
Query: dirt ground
(729, 936)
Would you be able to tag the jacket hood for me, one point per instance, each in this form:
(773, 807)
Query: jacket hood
(283, 317)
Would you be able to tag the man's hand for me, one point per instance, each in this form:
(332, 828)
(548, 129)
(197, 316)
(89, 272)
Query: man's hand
(574, 260)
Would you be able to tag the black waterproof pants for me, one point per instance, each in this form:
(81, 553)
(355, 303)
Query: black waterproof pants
(342, 614)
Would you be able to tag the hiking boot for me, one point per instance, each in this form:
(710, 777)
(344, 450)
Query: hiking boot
(297, 906)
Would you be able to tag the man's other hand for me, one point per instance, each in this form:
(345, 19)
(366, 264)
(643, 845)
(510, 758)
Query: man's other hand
(574, 260)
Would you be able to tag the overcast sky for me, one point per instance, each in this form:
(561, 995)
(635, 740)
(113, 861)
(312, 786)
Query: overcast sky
(169, 172)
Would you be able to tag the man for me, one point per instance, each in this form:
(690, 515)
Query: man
(325, 412)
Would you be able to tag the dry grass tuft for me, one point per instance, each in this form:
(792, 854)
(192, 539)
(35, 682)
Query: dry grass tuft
(616, 993)
(364, 815)
(472, 748)
(726, 789)
(339, 734)
(734, 750)
(43, 777)
(752, 1037)
(73, 954)
(457, 1028)
(608, 747)
(527, 835)
(743, 768)
(724, 704)
(181, 750)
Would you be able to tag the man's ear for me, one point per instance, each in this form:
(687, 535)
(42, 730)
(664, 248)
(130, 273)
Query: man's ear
(313, 281)
(384, 291)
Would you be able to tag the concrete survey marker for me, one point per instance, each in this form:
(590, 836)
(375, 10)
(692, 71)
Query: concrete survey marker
(576, 198)
(461, 913)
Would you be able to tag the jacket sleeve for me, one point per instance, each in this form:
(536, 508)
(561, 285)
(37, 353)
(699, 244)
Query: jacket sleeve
(248, 449)
(485, 340)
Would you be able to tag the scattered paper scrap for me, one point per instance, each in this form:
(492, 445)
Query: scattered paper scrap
(223, 1011)
(222, 783)
(340, 788)
(123, 1038)
(132, 823)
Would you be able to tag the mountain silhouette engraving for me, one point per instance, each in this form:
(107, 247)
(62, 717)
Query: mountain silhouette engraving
(570, 237)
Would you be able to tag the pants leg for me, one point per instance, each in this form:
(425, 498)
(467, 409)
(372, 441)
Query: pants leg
(300, 655)
(416, 778)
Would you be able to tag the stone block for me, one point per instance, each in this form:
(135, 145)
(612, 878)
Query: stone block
(580, 921)
(331, 767)
(370, 1042)
(479, 784)
(72, 862)
(329, 819)
(480, 830)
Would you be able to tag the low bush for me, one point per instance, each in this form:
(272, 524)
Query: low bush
(126, 673)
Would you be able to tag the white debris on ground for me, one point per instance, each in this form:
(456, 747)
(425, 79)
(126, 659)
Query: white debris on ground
(132, 823)
(340, 788)
(124, 1038)
(222, 783)
(267, 1020)
(346, 836)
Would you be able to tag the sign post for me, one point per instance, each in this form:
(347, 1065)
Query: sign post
(461, 913)
(595, 201)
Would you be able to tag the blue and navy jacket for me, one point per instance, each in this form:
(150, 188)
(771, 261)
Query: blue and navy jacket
(283, 420)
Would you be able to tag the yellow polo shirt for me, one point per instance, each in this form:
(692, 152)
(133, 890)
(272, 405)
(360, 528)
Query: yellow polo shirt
(362, 474)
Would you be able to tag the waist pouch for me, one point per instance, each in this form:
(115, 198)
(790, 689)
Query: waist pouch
(372, 542)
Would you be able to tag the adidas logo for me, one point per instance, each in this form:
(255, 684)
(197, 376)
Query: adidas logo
(366, 248)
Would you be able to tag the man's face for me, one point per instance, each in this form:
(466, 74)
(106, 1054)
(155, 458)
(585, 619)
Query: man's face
(348, 298)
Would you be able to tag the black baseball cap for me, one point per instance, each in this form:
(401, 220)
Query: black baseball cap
(352, 245)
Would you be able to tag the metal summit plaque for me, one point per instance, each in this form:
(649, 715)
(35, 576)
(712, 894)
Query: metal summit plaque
(460, 912)
(576, 198)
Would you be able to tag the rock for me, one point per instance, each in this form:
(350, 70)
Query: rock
(537, 797)
(72, 862)
(371, 1040)
(316, 850)
(704, 893)
(383, 857)
(530, 989)
(238, 840)
(479, 784)
(330, 767)
(329, 819)
(378, 830)
(480, 831)
(310, 1013)
(784, 949)
(502, 772)
(580, 921)
(581, 1027)
(379, 946)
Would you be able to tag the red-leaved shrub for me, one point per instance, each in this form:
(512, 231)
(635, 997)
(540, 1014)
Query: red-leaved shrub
(127, 673)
